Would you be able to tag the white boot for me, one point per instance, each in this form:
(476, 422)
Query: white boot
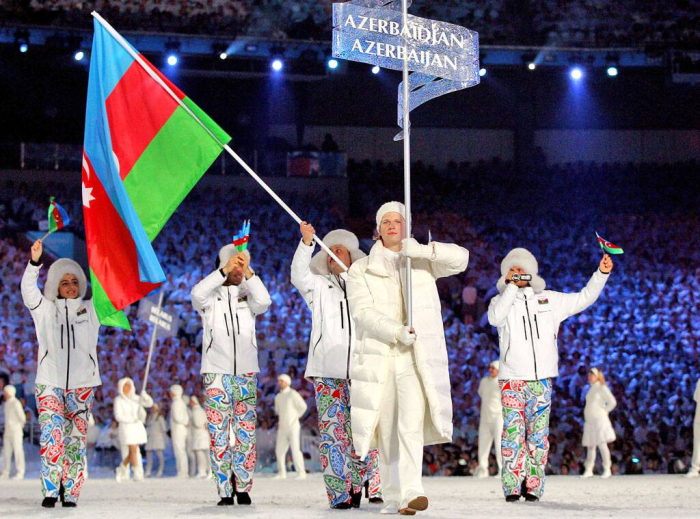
(138, 473)
(588, 473)
(692, 474)
(5, 475)
(391, 507)
(606, 473)
(19, 475)
(122, 473)
(481, 473)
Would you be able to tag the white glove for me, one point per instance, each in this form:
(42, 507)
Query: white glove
(406, 336)
(413, 249)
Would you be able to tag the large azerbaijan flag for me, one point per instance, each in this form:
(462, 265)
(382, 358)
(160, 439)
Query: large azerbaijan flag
(143, 152)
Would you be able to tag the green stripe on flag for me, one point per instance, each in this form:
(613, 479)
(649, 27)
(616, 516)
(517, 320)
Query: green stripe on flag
(171, 165)
(106, 313)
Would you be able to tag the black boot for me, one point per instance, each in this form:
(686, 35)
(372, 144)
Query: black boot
(527, 495)
(69, 504)
(49, 502)
(243, 498)
(356, 499)
(514, 498)
(342, 506)
(367, 489)
(62, 493)
(225, 501)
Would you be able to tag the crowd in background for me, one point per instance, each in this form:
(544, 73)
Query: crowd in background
(587, 23)
(643, 333)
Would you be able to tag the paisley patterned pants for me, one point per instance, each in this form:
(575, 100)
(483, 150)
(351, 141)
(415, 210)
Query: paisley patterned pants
(231, 400)
(343, 471)
(525, 440)
(63, 416)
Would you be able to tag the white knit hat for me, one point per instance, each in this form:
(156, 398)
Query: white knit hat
(286, 378)
(390, 207)
(176, 390)
(319, 263)
(495, 364)
(524, 259)
(10, 390)
(227, 251)
(58, 269)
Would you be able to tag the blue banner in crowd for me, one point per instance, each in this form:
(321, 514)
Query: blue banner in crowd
(442, 56)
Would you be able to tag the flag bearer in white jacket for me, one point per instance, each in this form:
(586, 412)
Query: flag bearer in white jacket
(67, 372)
(400, 393)
(157, 432)
(179, 429)
(199, 437)
(322, 284)
(289, 408)
(490, 421)
(15, 419)
(130, 412)
(528, 318)
(695, 462)
(228, 301)
(597, 428)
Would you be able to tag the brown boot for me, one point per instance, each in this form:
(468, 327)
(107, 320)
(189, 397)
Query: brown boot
(418, 503)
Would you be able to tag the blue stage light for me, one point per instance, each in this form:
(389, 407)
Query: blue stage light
(23, 48)
(612, 71)
(576, 73)
(375, 69)
(172, 60)
(277, 65)
(78, 56)
(332, 64)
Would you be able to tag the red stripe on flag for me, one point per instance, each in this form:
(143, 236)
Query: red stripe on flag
(175, 89)
(111, 250)
(137, 109)
(57, 218)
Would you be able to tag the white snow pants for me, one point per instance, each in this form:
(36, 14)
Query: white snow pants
(695, 463)
(203, 465)
(288, 437)
(400, 431)
(13, 447)
(490, 434)
(604, 455)
(179, 439)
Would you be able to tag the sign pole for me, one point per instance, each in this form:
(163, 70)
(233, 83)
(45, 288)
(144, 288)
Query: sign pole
(407, 164)
(154, 335)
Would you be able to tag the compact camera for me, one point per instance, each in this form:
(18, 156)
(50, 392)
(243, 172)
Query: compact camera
(521, 277)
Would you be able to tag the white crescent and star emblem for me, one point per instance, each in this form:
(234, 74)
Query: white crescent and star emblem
(87, 191)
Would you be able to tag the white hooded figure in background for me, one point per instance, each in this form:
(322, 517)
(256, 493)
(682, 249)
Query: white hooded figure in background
(695, 462)
(157, 431)
(129, 411)
(199, 437)
(490, 421)
(400, 394)
(179, 423)
(15, 418)
(189, 447)
(289, 407)
(597, 428)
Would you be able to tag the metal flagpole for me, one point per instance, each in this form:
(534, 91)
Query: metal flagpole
(226, 147)
(407, 164)
(154, 334)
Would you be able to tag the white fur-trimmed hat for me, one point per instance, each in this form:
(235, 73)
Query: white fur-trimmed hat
(524, 259)
(122, 382)
(227, 251)
(319, 263)
(390, 207)
(10, 390)
(58, 269)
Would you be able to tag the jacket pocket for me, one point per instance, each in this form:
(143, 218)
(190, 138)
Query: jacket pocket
(44, 357)
(505, 357)
(211, 340)
(317, 342)
(94, 364)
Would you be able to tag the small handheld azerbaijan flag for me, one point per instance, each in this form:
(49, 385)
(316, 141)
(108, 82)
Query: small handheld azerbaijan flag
(58, 217)
(608, 247)
(241, 239)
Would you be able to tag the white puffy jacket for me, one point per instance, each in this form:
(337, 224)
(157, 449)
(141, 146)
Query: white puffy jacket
(696, 397)
(289, 406)
(15, 418)
(599, 403)
(377, 305)
(67, 332)
(528, 325)
(333, 328)
(179, 419)
(199, 429)
(228, 315)
(490, 394)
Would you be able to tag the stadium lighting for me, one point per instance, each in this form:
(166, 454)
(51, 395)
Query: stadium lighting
(612, 71)
(482, 72)
(531, 65)
(277, 64)
(375, 69)
(79, 55)
(332, 64)
(576, 73)
(223, 56)
(172, 60)
(23, 47)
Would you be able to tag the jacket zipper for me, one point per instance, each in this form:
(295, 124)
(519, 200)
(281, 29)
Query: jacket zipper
(524, 327)
(537, 327)
(235, 359)
(532, 340)
(67, 333)
(238, 324)
(347, 309)
(342, 318)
